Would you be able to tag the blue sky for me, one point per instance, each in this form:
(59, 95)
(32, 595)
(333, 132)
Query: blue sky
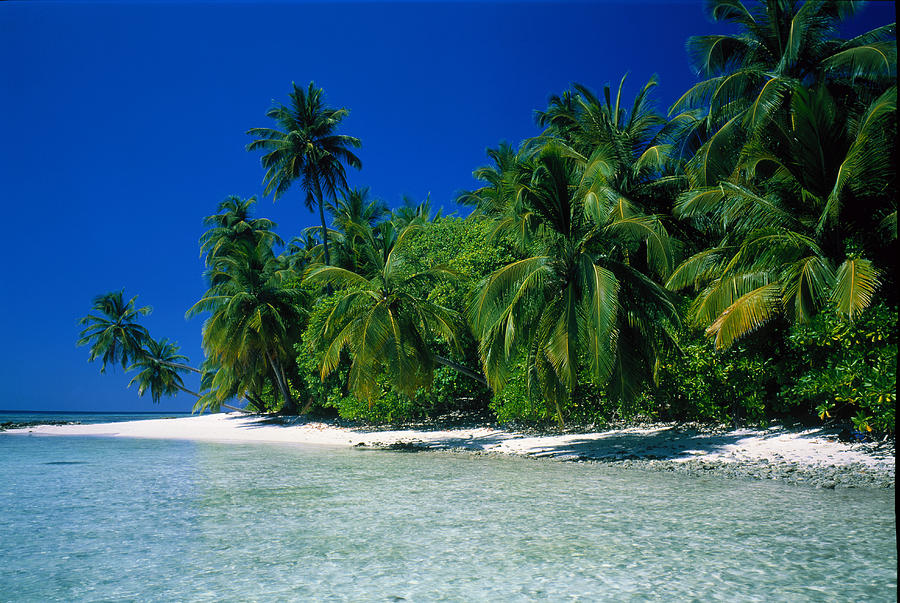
(123, 125)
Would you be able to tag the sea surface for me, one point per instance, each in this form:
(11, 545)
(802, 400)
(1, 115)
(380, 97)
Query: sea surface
(115, 519)
(37, 417)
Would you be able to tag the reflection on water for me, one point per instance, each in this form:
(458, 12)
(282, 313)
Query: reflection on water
(157, 520)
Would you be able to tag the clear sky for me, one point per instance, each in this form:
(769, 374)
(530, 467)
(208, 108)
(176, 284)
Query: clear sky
(123, 124)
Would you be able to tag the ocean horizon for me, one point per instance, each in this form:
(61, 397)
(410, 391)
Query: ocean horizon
(10, 418)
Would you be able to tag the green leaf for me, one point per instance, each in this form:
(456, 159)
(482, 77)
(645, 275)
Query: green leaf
(746, 314)
(854, 286)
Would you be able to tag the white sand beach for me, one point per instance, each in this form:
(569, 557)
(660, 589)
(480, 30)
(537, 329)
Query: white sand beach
(808, 448)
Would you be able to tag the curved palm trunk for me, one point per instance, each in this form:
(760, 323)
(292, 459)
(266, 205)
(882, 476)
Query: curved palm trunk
(252, 398)
(187, 391)
(460, 369)
(183, 367)
(198, 396)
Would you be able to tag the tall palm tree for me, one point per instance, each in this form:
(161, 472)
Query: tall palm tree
(304, 146)
(255, 318)
(579, 300)
(384, 323)
(114, 333)
(797, 219)
(157, 370)
(234, 226)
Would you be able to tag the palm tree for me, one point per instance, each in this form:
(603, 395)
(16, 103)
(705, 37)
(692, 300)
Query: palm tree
(750, 75)
(354, 216)
(234, 226)
(579, 300)
(255, 318)
(304, 146)
(384, 323)
(501, 198)
(158, 370)
(113, 333)
(219, 384)
(627, 154)
(414, 213)
(796, 219)
(355, 209)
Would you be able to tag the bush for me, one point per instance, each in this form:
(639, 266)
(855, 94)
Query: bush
(701, 384)
(590, 404)
(847, 371)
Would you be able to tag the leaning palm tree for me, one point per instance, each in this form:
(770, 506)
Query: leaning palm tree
(113, 332)
(582, 299)
(255, 317)
(385, 323)
(791, 215)
(219, 384)
(304, 146)
(157, 370)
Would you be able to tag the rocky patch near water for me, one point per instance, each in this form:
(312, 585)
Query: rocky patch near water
(831, 476)
(25, 424)
(856, 475)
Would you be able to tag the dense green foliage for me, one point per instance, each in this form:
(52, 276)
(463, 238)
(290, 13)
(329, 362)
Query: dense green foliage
(732, 262)
(847, 370)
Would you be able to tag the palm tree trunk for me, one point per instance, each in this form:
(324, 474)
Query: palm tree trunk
(461, 369)
(321, 203)
(289, 406)
(187, 391)
(198, 396)
(254, 399)
(183, 367)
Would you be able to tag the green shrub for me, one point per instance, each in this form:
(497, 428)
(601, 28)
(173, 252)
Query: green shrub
(847, 370)
(730, 386)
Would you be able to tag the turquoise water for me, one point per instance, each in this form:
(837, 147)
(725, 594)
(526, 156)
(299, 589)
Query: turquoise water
(91, 519)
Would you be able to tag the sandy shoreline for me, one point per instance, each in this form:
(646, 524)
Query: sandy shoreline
(814, 456)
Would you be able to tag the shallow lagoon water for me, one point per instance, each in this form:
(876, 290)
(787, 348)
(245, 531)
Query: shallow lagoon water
(153, 520)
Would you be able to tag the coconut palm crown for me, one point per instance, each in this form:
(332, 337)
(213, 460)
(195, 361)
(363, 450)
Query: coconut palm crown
(304, 146)
(233, 225)
(799, 220)
(113, 331)
(750, 75)
(383, 321)
(157, 370)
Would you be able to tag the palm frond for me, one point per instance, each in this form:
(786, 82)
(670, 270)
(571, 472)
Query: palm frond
(854, 286)
(806, 287)
(746, 314)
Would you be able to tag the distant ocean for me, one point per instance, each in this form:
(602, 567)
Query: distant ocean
(36, 417)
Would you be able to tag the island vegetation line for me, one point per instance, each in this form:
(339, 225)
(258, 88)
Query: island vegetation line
(731, 260)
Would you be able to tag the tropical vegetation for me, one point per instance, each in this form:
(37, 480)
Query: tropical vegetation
(730, 261)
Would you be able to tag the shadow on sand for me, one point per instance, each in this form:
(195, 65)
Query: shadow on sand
(663, 443)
